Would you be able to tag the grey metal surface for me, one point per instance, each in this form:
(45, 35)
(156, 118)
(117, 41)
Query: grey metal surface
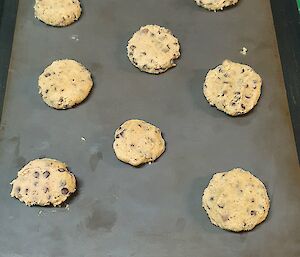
(152, 211)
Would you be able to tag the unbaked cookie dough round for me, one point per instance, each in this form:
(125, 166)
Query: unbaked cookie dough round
(153, 49)
(58, 13)
(43, 182)
(215, 5)
(236, 200)
(64, 84)
(137, 142)
(233, 88)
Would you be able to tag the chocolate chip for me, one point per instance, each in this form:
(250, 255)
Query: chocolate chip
(46, 174)
(144, 53)
(132, 47)
(26, 191)
(145, 30)
(212, 198)
(61, 99)
(208, 207)
(243, 106)
(47, 75)
(46, 190)
(225, 217)
(118, 136)
(134, 61)
(61, 170)
(253, 213)
(252, 200)
(36, 174)
(221, 206)
(241, 190)
(46, 91)
(243, 70)
(64, 191)
(132, 145)
(18, 189)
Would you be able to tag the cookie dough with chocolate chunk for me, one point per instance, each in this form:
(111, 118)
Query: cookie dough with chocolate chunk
(64, 84)
(137, 142)
(233, 88)
(153, 49)
(236, 200)
(43, 182)
(215, 5)
(58, 13)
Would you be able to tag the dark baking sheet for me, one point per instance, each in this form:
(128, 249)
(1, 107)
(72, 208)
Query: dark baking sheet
(153, 211)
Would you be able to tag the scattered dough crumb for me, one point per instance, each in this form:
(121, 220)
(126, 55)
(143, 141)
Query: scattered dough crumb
(67, 207)
(75, 37)
(83, 139)
(244, 51)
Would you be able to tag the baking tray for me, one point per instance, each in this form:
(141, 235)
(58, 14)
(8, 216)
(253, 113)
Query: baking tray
(155, 210)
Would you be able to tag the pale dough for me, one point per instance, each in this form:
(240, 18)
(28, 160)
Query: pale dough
(65, 83)
(137, 142)
(153, 49)
(233, 88)
(43, 182)
(215, 5)
(236, 200)
(57, 12)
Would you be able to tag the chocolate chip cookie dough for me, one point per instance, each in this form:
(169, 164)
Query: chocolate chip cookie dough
(43, 182)
(58, 13)
(153, 49)
(233, 88)
(236, 200)
(215, 5)
(137, 142)
(64, 84)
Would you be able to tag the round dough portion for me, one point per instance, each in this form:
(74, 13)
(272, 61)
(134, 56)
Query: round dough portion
(64, 84)
(137, 142)
(58, 13)
(233, 88)
(43, 182)
(215, 5)
(236, 200)
(153, 49)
